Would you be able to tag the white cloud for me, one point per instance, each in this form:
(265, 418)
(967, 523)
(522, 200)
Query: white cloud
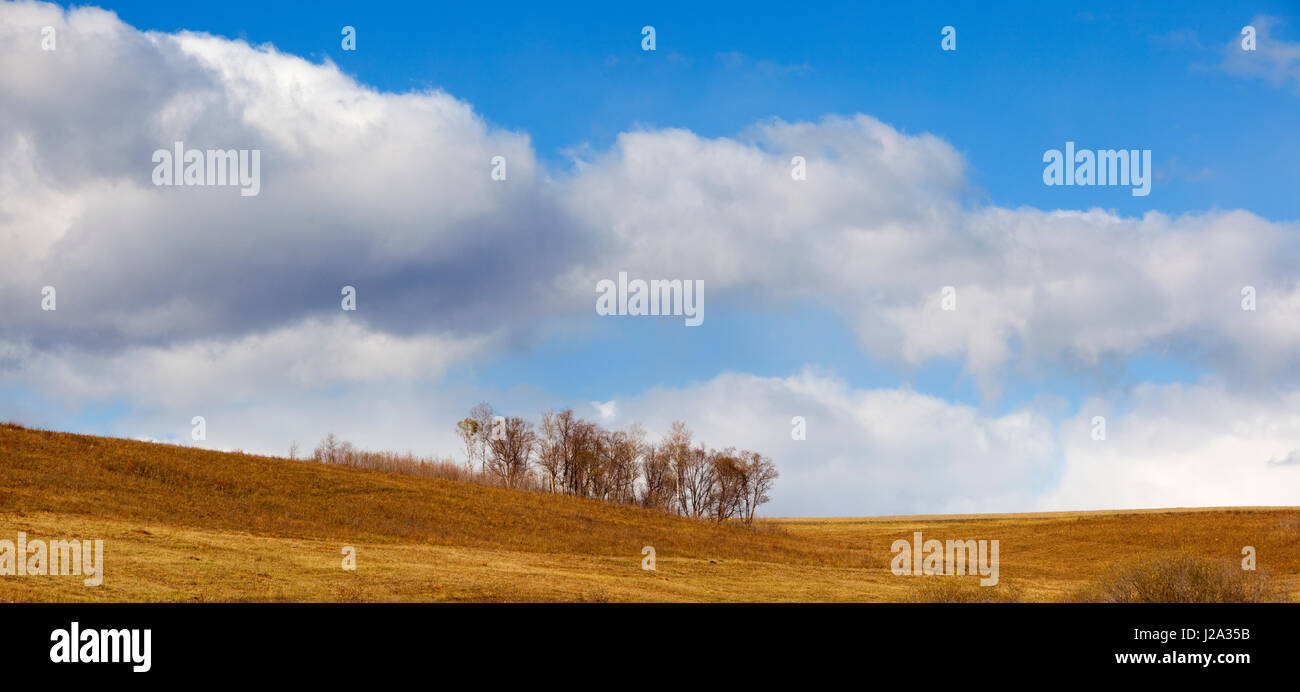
(887, 451)
(606, 411)
(391, 193)
(1274, 59)
(1180, 446)
(1291, 459)
(878, 230)
(877, 451)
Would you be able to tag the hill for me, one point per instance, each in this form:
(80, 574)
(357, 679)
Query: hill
(184, 524)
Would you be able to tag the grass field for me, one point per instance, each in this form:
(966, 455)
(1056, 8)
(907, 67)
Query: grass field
(182, 524)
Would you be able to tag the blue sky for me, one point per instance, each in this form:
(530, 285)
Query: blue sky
(1026, 77)
(932, 175)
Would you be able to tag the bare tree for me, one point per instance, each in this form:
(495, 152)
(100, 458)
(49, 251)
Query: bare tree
(658, 485)
(677, 446)
(327, 450)
(482, 416)
(467, 431)
(630, 445)
(584, 458)
(727, 486)
(511, 451)
(696, 481)
(614, 477)
(759, 476)
(550, 447)
(563, 458)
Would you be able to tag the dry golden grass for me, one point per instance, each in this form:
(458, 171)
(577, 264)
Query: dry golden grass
(181, 524)
(937, 590)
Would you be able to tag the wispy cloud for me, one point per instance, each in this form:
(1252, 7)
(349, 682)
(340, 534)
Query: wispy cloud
(1274, 59)
(734, 60)
(606, 410)
(1291, 459)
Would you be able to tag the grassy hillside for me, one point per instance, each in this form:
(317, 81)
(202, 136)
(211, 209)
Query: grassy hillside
(182, 524)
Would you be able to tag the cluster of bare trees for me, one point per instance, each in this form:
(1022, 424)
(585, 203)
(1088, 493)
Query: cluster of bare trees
(569, 455)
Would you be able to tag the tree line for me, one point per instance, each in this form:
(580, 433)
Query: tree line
(569, 455)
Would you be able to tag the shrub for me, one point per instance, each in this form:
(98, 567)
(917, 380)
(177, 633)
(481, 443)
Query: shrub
(940, 589)
(1180, 579)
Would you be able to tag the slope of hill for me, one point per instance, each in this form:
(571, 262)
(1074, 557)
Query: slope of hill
(183, 524)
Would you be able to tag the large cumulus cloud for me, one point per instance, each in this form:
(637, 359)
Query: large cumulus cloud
(391, 193)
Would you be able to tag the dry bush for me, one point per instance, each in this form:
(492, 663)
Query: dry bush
(1180, 578)
(342, 453)
(940, 589)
